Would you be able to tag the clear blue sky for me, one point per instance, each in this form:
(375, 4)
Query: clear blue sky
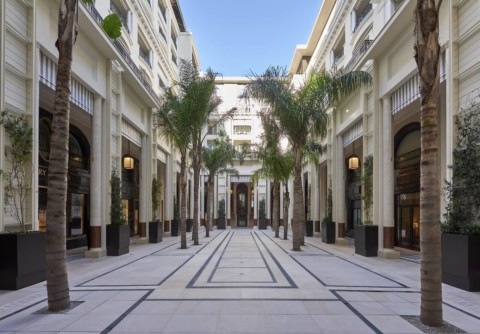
(236, 36)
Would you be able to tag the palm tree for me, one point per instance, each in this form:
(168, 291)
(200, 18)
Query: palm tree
(57, 278)
(174, 121)
(275, 164)
(427, 51)
(203, 102)
(302, 115)
(216, 160)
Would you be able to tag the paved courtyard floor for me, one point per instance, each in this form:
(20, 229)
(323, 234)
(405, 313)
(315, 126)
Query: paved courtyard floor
(236, 281)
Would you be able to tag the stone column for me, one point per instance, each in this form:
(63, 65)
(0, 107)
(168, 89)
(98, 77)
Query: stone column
(95, 232)
(145, 189)
(339, 190)
(386, 236)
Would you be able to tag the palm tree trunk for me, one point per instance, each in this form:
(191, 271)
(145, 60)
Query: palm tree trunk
(57, 278)
(183, 202)
(298, 209)
(286, 206)
(427, 52)
(196, 189)
(276, 208)
(209, 226)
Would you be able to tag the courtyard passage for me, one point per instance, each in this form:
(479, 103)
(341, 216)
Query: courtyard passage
(237, 281)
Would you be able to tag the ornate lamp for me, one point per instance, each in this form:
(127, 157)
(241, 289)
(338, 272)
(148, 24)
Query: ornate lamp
(128, 162)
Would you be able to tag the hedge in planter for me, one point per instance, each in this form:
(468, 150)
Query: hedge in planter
(155, 226)
(221, 215)
(118, 232)
(461, 229)
(328, 226)
(262, 221)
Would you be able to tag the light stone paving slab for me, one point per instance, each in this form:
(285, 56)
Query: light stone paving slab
(122, 295)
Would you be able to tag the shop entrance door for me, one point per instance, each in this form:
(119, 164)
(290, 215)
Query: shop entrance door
(242, 208)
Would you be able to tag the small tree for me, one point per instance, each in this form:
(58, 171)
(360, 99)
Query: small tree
(221, 209)
(18, 180)
(155, 200)
(367, 189)
(329, 218)
(462, 193)
(261, 209)
(117, 216)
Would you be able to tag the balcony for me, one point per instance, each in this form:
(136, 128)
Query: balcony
(362, 16)
(338, 55)
(126, 57)
(122, 16)
(358, 53)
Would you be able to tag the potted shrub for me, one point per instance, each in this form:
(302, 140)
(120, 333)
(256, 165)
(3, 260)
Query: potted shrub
(461, 228)
(118, 232)
(22, 252)
(155, 227)
(328, 225)
(176, 219)
(221, 215)
(366, 235)
(262, 221)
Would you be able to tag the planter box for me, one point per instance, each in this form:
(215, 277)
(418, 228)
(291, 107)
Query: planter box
(366, 240)
(22, 259)
(262, 224)
(189, 225)
(118, 239)
(461, 261)
(174, 229)
(309, 228)
(221, 223)
(155, 231)
(328, 232)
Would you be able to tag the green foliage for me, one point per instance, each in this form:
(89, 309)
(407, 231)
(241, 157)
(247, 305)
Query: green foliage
(221, 155)
(117, 216)
(367, 188)
(112, 26)
(155, 200)
(261, 209)
(221, 208)
(18, 178)
(462, 193)
(329, 218)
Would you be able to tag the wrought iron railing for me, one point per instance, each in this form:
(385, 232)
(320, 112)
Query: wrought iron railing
(363, 15)
(125, 55)
(358, 53)
(121, 16)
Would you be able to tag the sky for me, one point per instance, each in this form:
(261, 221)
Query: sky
(237, 37)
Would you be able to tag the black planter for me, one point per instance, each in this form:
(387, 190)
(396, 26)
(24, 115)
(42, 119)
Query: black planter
(118, 239)
(309, 228)
(189, 225)
(328, 232)
(366, 240)
(221, 223)
(461, 261)
(262, 224)
(174, 228)
(22, 259)
(155, 231)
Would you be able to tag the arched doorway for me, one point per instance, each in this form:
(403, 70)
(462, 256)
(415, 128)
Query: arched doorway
(242, 205)
(407, 187)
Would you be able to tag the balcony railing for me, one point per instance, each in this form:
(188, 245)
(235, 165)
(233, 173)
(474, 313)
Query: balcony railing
(121, 16)
(358, 53)
(338, 55)
(362, 15)
(98, 18)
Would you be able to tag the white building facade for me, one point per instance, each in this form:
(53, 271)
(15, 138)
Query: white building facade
(384, 120)
(116, 88)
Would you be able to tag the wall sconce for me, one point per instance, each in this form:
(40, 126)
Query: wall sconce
(353, 162)
(128, 162)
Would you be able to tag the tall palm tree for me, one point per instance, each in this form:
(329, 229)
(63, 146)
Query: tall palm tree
(302, 115)
(216, 160)
(427, 52)
(203, 102)
(57, 279)
(174, 121)
(275, 165)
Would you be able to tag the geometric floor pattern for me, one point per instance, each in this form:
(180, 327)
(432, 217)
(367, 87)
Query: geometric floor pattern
(236, 281)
